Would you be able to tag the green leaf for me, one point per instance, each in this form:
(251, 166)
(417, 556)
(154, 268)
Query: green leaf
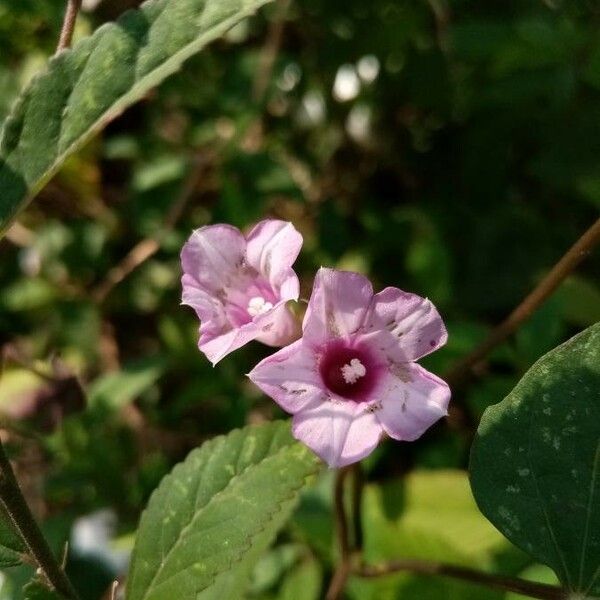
(220, 505)
(113, 391)
(303, 582)
(37, 590)
(535, 463)
(430, 515)
(83, 89)
(12, 547)
(233, 583)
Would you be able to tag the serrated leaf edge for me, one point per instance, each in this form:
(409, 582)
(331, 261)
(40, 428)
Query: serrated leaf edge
(250, 537)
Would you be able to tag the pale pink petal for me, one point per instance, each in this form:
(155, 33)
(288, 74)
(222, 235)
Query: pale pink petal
(206, 305)
(278, 327)
(217, 343)
(341, 433)
(213, 256)
(411, 400)
(273, 247)
(337, 306)
(404, 326)
(290, 377)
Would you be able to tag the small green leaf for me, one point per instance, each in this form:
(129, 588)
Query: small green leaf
(12, 547)
(83, 89)
(113, 391)
(37, 590)
(303, 582)
(535, 464)
(215, 509)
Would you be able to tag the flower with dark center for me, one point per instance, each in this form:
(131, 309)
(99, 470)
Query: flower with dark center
(353, 376)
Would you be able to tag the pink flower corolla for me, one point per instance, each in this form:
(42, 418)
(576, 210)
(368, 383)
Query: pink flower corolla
(352, 376)
(239, 285)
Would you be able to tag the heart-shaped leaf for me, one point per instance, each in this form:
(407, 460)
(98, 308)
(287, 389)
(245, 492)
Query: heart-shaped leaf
(215, 509)
(535, 464)
(83, 89)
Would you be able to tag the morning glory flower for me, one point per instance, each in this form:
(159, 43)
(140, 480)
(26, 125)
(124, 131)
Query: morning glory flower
(352, 376)
(239, 285)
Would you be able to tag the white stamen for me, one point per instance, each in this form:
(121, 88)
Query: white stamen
(354, 371)
(258, 306)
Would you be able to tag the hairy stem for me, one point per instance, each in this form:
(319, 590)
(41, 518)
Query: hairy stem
(66, 33)
(498, 582)
(561, 270)
(17, 509)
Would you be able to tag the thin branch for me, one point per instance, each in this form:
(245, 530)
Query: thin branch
(269, 52)
(20, 515)
(340, 576)
(343, 531)
(358, 484)
(498, 582)
(561, 270)
(147, 247)
(66, 33)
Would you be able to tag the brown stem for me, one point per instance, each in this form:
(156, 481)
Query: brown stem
(66, 33)
(358, 483)
(340, 576)
(147, 247)
(20, 515)
(269, 52)
(498, 582)
(561, 270)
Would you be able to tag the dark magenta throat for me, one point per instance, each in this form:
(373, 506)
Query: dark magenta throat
(348, 370)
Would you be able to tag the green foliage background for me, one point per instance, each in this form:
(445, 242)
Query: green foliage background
(462, 172)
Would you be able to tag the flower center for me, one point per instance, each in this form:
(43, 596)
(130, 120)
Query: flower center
(349, 371)
(353, 371)
(258, 306)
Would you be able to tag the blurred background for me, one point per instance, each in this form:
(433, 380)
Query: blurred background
(450, 148)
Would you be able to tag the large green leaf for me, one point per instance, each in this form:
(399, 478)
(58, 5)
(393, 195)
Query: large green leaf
(535, 464)
(231, 584)
(82, 89)
(215, 509)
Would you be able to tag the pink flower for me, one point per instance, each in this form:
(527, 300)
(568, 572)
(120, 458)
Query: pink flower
(352, 375)
(239, 286)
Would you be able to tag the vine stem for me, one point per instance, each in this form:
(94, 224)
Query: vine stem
(21, 517)
(66, 33)
(561, 270)
(348, 550)
(498, 582)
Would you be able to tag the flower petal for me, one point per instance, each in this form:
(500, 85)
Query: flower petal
(278, 327)
(337, 306)
(290, 377)
(411, 400)
(213, 255)
(405, 326)
(341, 433)
(273, 247)
(216, 342)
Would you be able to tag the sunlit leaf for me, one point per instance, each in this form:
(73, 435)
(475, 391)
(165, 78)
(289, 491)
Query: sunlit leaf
(535, 464)
(431, 515)
(223, 503)
(83, 89)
